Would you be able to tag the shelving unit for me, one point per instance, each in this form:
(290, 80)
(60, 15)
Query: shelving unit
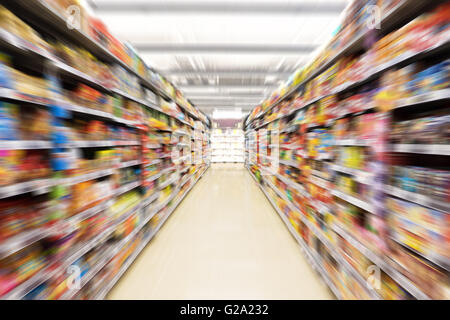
(227, 145)
(114, 163)
(336, 154)
(309, 254)
(402, 11)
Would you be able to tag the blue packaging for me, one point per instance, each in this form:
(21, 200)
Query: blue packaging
(5, 78)
(8, 124)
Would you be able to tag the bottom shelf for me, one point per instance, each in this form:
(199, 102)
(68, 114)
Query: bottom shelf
(334, 239)
(310, 255)
(104, 292)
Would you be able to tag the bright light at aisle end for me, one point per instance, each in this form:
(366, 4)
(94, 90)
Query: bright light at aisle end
(235, 113)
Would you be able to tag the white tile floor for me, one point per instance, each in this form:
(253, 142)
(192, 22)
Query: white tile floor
(224, 241)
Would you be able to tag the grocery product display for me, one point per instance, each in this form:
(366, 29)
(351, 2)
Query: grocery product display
(353, 153)
(227, 145)
(327, 118)
(96, 152)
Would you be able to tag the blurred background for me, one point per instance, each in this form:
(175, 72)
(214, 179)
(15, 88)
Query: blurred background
(111, 111)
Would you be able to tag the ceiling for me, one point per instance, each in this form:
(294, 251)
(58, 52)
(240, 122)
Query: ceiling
(223, 54)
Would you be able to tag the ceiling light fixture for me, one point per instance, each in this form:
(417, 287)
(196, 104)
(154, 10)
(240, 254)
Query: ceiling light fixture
(235, 113)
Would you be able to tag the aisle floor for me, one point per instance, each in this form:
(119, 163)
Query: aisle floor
(224, 241)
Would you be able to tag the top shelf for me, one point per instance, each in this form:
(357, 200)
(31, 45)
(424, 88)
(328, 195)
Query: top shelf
(42, 13)
(395, 17)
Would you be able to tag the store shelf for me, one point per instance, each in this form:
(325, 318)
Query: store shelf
(319, 157)
(391, 271)
(168, 182)
(376, 71)
(396, 275)
(338, 257)
(130, 97)
(52, 270)
(356, 54)
(367, 98)
(332, 249)
(24, 144)
(187, 168)
(267, 122)
(108, 286)
(180, 133)
(127, 187)
(27, 48)
(361, 176)
(185, 180)
(320, 174)
(436, 259)
(353, 142)
(436, 149)
(96, 113)
(394, 17)
(86, 214)
(354, 200)
(320, 206)
(85, 177)
(73, 73)
(150, 199)
(325, 184)
(102, 294)
(289, 163)
(167, 170)
(108, 256)
(42, 13)
(127, 164)
(39, 15)
(46, 15)
(155, 161)
(153, 177)
(67, 70)
(293, 185)
(308, 253)
(10, 41)
(288, 129)
(157, 108)
(418, 198)
(428, 97)
(85, 110)
(37, 186)
(15, 96)
(22, 240)
(97, 144)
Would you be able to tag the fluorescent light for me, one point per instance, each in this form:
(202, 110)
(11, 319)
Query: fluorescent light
(224, 102)
(224, 90)
(204, 87)
(221, 97)
(227, 114)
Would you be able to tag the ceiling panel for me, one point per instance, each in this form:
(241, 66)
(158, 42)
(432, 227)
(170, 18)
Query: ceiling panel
(219, 48)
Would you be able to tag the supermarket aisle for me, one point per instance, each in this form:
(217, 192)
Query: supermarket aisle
(224, 241)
